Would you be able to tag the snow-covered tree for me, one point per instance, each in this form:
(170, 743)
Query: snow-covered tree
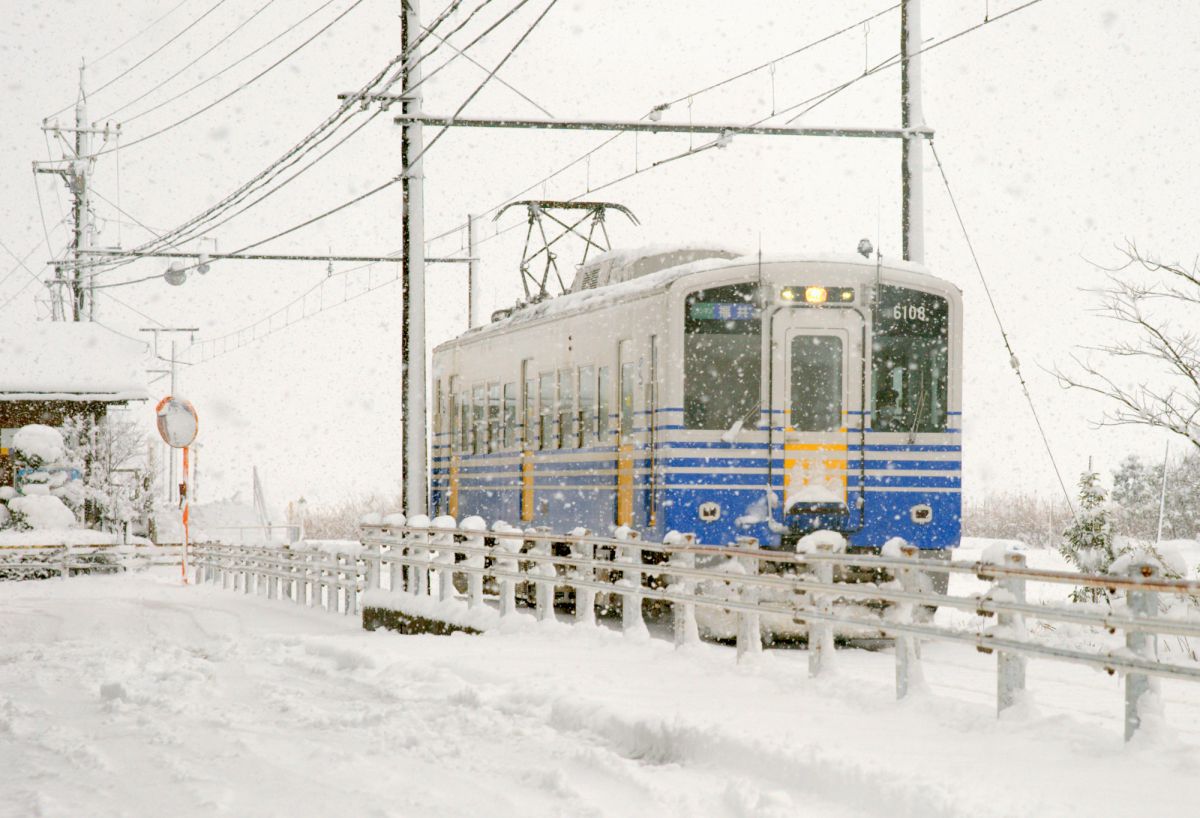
(111, 454)
(1137, 493)
(1088, 543)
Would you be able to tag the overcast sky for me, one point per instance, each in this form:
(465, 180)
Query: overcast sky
(1065, 129)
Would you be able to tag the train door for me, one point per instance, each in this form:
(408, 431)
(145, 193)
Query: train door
(817, 389)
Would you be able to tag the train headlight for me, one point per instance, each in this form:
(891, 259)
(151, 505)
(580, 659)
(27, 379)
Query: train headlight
(815, 295)
(787, 294)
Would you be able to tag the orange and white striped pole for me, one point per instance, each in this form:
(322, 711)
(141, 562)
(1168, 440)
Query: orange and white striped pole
(183, 497)
(178, 424)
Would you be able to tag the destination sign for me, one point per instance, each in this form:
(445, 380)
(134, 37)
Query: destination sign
(713, 311)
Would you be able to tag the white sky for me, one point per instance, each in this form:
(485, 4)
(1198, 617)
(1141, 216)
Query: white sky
(1065, 130)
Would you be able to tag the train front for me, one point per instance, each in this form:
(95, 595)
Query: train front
(836, 388)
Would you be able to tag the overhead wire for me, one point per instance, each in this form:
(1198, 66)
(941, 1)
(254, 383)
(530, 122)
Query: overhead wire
(313, 138)
(149, 26)
(214, 75)
(220, 42)
(149, 56)
(241, 87)
(371, 287)
(1014, 362)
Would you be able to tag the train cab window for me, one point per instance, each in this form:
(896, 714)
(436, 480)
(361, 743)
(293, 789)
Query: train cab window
(566, 408)
(603, 403)
(910, 361)
(585, 424)
(722, 358)
(493, 417)
(510, 415)
(546, 411)
(816, 389)
(478, 429)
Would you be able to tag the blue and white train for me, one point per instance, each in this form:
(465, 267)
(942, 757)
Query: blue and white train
(696, 391)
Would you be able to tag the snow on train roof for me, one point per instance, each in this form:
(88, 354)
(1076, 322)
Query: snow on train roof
(602, 295)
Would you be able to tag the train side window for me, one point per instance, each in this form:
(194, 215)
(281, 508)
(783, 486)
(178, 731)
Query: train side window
(510, 415)
(529, 414)
(628, 377)
(477, 422)
(566, 408)
(546, 411)
(586, 424)
(493, 417)
(604, 403)
(464, 425)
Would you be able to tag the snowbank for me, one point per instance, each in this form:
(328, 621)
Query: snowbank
(42, 511)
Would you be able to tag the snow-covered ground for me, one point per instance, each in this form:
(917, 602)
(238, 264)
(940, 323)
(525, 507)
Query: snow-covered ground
(131, 695)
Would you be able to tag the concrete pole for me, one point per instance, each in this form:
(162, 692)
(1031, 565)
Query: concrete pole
(412, 342)
(80, 306)
(474, 307)
(911, 116)
(172, 483)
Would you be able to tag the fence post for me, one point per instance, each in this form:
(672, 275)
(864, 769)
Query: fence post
(374, 560)
(820, 633)
(352, 578)
(63, 565)
(908, 668)
(506, 547)
(1010, 667)
(418, 571)
(630, 560)
(684, 613)
(545, 575)
(585, 598)
(749, 634)
(1141, 603)
(474, 526)
(443, 556)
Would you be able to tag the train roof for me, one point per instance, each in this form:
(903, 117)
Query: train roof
(632, 272)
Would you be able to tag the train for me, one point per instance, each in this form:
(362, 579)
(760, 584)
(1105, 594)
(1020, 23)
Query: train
(706, 392)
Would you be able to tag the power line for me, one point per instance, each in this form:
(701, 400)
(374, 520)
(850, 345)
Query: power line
(243, 86)
(297, 151)
(151, 25)
(221, 41)
(140, 62)
(231, 65)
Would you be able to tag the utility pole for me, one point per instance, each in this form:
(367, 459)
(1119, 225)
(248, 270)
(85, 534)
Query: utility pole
(76, 168)
(911, 117)
(412, 274)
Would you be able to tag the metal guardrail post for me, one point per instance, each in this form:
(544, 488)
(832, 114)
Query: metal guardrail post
(1010, 667)
(749, 632)
(630, 560)
(312, 585)
(585, 598)
(333, 603)
(684, 613)
(820, 634)
(273, 584)
(1141, 603)
(473, 528)
(374, 561)
(907, 662)
(418, 571)
(351, 577)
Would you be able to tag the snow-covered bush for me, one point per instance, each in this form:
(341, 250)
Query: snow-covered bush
(1137, 493)
(118, 484)
(1088, 544)
(41, 511)
(37, 445)
(39, 454)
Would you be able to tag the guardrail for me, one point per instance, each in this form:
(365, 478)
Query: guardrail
(423, 560)
(30, 561)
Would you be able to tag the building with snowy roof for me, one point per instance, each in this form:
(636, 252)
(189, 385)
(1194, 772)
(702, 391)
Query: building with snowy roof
(52, 371)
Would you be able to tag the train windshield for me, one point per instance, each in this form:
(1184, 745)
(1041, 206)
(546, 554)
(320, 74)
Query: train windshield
(910, 361)
(722, 368)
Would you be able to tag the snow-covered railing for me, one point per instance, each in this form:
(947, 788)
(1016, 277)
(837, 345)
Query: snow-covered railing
(316, 578)
(53, 559)
(467, 575)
